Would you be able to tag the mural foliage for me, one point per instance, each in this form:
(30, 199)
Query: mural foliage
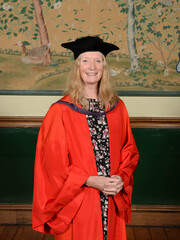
(147, 32)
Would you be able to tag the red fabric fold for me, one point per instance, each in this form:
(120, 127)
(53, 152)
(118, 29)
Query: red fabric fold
(128, 159)
(58, 185)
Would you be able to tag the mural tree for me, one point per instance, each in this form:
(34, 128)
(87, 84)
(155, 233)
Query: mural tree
(131, 36)
(157, 23)
(18, 19)
(44, 38)
(127, 6)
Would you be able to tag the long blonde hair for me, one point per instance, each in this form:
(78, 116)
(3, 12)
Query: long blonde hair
(75, 86)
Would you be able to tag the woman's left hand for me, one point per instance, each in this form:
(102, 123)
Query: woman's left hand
(114, 186)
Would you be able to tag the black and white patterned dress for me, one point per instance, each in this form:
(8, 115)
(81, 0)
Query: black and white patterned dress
(99, 131)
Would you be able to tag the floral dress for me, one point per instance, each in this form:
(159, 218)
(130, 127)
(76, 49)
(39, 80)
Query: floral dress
(99, 131)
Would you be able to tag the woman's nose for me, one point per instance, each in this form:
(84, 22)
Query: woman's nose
(92, 65)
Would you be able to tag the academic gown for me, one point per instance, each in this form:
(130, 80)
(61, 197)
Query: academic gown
(62, 204)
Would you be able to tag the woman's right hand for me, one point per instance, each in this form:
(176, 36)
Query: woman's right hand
(107, 185)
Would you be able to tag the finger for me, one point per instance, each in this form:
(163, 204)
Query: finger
(113, 184)
(110, 193)
(116, 177)
(114, 180)
(113, 189)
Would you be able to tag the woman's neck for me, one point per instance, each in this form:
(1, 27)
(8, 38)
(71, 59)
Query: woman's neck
(90, 92)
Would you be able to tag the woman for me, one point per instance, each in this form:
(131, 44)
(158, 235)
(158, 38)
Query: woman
(86, 154)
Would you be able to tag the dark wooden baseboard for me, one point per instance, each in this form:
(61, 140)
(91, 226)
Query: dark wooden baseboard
(136, 122)
(142, 215)
(155, 215)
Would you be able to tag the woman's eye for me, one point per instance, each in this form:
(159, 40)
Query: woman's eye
(99, 60)
(84, 60)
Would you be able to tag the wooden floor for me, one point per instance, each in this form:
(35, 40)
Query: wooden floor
(24, 232)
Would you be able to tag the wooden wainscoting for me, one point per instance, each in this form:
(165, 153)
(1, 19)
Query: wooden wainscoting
(142, 215)
(136, 122)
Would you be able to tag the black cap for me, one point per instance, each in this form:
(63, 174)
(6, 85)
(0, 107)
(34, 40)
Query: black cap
(89, 44)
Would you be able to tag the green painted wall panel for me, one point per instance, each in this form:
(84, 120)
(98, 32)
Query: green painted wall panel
(156, 179)
(17, 152)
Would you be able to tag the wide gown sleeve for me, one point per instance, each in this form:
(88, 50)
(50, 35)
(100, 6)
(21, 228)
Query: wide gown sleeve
(58, 186)
(129, 157)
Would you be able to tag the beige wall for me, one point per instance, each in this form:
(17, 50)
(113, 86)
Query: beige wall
(137, 106)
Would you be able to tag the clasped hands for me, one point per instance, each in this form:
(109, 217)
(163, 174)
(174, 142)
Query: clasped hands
(108, 185)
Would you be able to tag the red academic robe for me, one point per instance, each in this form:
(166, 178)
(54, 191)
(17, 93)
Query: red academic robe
(62, 204)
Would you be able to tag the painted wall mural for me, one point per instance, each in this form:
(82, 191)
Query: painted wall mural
(147, 32)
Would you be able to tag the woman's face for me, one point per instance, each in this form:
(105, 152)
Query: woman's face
(91, 67)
